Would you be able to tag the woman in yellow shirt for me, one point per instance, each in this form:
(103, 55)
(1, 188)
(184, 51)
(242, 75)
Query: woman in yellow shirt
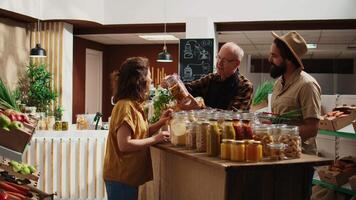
(127, 162)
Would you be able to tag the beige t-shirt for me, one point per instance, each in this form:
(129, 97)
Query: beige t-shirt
(300, 91)
(133, 168)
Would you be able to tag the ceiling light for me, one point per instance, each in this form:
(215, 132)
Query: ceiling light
(312, 46)
(158, 37)
(38, 52)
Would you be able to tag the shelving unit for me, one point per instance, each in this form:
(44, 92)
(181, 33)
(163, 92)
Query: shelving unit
(348, 133)
(343, 189)
(10, 154)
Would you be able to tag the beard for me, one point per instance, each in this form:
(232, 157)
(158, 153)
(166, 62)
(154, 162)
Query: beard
(278, 70)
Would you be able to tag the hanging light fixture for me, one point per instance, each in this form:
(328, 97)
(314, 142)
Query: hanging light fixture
(38, 51)
(164, 56)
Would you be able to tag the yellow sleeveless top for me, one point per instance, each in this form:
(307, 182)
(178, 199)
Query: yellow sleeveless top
(133, 168)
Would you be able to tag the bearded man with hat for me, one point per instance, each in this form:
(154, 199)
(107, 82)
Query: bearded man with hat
(294, 89)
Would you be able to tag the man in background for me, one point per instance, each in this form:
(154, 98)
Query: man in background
(295, 89)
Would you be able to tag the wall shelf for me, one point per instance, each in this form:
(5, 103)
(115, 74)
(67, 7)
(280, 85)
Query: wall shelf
(346, 189)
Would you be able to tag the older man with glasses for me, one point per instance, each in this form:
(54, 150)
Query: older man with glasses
(227, 88)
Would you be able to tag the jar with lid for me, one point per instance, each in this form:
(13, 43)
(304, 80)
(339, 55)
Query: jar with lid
(228, 131)
(201, 136)
(276, 151)
(225, 149)
(213, 139)
(276, 130)
(236, 120)
(192, 129)
(220, 118)
(237, 150)
(247, 119)
(253, 151)
(178, 128)
(262, 133)
(293, 143)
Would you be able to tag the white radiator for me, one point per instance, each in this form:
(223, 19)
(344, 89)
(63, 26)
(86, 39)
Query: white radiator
(70, 163)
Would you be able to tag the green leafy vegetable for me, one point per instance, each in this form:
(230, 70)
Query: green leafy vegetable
(160, 102)
(7, 98)
(262, 92)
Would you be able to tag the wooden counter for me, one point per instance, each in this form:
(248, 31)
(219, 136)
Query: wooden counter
(184, 174)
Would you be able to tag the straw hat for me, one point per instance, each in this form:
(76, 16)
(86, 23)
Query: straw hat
(295, 43)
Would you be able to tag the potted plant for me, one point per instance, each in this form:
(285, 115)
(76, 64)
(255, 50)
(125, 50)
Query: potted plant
(58, 113)
(34, 88)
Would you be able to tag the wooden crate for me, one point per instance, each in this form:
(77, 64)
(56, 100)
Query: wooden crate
(18, 139)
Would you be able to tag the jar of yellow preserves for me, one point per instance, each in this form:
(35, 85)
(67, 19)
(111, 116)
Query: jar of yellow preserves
(254, 151)
(225, 149)
(228, 130)
(237, 151)
(213, 142)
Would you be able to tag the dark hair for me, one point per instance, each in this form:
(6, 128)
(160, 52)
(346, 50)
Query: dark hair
(286, 53)
(130, 82)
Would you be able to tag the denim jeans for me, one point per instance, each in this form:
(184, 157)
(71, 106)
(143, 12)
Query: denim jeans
(120, 191)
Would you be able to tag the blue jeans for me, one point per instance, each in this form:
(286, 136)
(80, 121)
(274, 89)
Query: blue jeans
(120, 191)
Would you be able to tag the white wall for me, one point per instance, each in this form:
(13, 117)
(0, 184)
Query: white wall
(329, 83)
(67, 71)
(152, 11)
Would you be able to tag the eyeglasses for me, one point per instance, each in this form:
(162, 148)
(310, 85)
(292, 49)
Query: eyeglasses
(223, 60)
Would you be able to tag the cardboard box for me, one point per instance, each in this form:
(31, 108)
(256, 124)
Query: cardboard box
(352, 181)
(337, 123)
(335, 177)
(18, 139)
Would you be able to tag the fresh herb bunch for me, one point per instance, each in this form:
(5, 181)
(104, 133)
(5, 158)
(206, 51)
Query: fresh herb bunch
(285, 118)
(262, 92)
(7, 98)
(160, 101)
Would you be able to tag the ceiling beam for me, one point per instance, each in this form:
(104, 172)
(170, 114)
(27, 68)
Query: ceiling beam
(286, 25)
(80, 29)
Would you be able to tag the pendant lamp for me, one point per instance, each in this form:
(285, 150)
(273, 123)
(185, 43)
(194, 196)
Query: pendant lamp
(38, 51)
(164, 56)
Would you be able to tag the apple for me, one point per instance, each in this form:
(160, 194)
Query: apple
(15, 125)
(4, 121)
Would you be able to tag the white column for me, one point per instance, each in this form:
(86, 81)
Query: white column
(67, 72)
(201, 27)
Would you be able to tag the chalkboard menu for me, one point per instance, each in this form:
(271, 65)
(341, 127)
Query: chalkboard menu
(196, 58)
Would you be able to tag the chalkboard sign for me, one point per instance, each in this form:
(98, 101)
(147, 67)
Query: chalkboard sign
(196, 58)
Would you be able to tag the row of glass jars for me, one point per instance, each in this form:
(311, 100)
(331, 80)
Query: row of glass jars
(205, 130)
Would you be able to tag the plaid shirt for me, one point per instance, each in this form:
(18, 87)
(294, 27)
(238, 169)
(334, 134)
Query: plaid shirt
(232, 93)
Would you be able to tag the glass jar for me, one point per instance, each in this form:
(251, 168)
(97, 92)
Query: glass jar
(293, 143)
(50, 122)
(253, 151)
(276, 152)
(201, 136)
(239, 134)
(247, 119)
(82, 122)
(178, 127)
(190, 141)
(213, 139)
(228, 130)
(64, 126)
(238, 151)
(225, 147)
(263, 133)
(58, 126)
(276, 131)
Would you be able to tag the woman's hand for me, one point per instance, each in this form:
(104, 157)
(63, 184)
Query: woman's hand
(163, 136)
(166, 115)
